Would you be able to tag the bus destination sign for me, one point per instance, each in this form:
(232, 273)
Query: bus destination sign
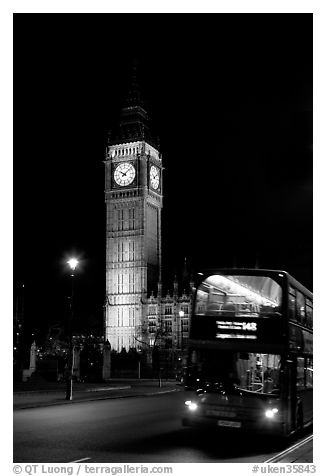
(236, 330)
(255, 330)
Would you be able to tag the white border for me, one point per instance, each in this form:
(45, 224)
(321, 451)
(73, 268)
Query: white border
(96, 6)
(160, 6)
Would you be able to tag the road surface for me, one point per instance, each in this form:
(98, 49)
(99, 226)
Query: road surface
(142, 429)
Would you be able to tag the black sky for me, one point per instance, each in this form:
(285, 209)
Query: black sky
(229, 95)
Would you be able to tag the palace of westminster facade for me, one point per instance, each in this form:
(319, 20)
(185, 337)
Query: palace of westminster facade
(136, 313)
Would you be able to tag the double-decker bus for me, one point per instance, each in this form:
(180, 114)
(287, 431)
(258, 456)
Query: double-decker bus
(250, 361)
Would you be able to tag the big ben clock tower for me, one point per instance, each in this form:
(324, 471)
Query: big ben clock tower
(133, 197)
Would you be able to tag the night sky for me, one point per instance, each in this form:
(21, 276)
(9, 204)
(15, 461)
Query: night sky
(230, 97)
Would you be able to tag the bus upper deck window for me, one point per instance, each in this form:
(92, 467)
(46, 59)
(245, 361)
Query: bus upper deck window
(300, 308)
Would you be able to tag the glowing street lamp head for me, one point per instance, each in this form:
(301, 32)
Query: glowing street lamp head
(73, 262)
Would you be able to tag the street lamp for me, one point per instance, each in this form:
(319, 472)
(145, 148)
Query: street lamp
(72, 263)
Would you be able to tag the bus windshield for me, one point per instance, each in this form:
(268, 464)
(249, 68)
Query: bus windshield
(230, 370)
(238, 296)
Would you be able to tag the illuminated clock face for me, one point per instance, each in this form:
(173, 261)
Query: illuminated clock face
(154, 176)
(124, 174)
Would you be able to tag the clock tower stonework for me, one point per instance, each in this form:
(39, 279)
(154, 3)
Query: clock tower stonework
(134, 200)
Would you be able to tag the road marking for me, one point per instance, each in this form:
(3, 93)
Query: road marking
(100, 389)
(277, 457)
(79, 460)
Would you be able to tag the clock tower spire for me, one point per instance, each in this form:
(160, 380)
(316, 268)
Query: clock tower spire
(134, 120)
(134, 200)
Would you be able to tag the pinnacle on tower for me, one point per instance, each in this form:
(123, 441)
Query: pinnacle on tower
(134, 121)
(185, 276)
(134, 97)
(175, 286)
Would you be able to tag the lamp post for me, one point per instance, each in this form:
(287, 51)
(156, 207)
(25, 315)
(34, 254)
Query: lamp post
(181, 315)
(72, 263)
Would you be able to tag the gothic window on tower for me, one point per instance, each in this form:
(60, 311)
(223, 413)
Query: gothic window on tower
(132, 283)
(120, 220)
(131, 317)
(122, 251)
(125, 288)
(131, 251)
(131, 219)
(125, 220)
(125, 318)
(120, 283)
(111, 220)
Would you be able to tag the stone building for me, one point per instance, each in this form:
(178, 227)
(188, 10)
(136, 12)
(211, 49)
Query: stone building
(137, 314)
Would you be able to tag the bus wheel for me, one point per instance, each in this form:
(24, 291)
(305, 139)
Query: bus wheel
(299, 419)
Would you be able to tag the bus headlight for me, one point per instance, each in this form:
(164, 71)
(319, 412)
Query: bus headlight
(191, 405)
(271, 412)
